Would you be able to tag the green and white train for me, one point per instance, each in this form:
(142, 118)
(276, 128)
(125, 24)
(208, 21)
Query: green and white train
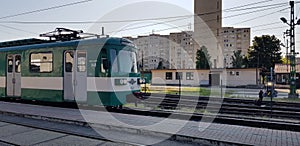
(93, 71)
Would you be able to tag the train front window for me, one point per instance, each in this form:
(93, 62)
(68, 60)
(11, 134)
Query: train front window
(114, 60)
(127, 60)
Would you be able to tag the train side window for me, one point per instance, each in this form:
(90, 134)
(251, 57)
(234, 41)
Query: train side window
(18, 63)
(41, 62)
(10, 64)
(69, 61)
(81, 61)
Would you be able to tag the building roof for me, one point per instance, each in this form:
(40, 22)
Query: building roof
(284, 68)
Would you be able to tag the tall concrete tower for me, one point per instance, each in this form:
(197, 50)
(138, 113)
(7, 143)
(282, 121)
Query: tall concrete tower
(207, 27)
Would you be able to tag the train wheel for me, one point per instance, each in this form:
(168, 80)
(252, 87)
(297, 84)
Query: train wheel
(120, 107)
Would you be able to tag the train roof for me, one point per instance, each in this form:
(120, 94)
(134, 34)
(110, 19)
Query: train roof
(33, 43)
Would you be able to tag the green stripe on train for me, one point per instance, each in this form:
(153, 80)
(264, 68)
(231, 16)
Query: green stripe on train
(107, 98)
(2, 64)
(2, 92)
(94, 98)
(42, 95)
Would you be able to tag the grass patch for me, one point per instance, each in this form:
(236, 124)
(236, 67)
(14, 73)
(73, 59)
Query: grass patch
(284, 100)
(190, 91)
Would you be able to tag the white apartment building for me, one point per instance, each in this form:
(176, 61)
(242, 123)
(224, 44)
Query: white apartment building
(182, 50)
(152, 50)
(233, 40)
(175, 51)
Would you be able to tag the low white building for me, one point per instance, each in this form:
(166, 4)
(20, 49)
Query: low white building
(214, 77)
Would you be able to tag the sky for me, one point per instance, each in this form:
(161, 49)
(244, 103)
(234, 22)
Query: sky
(165, 12)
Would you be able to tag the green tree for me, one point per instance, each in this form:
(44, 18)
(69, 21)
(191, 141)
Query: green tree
(285, 60)
(203, 59)
(265, 52)
(237, 59)
(160, 65)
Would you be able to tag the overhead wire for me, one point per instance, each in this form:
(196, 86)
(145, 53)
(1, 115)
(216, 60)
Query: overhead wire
(257, 7)
(14, 28)
(222, 18)
(136, 20)
(250, 4)
(271, 28)
(45, 9)
(261, 16)
(36, 11)
(184, 17)
(215, 30)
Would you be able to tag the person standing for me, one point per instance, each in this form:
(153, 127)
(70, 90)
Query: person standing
(260, 97)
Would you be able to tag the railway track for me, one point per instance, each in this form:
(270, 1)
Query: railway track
(225, 111)
(225, 106)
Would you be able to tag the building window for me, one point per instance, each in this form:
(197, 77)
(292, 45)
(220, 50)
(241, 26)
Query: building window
(169, 75)
(41, 62)
(189, 76)
(178, 75)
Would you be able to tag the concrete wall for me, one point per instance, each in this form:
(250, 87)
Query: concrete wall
(199, 77)
(229, 77)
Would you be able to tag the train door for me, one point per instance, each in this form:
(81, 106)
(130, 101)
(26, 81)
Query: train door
(75, 76)
(13, 81)
(81, 76)
(69, 94)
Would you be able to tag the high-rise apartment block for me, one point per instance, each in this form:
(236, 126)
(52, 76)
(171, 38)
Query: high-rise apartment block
(208, 16)
(179, 50)
(174, 51)
(207, 28)
(221, 42)
(233, 40)
(182, 50)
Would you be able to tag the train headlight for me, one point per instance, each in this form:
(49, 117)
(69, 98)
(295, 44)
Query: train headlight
(141, 81)
(120, 82)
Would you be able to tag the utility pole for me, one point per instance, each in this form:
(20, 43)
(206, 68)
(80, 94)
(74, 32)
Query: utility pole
(293, 53)
(272, 91)
(293, 88)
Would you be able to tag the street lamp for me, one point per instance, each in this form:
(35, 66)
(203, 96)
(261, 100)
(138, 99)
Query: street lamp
(283, 20)
(292, 25)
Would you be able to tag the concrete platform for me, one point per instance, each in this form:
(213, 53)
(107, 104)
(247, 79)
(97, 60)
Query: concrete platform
(160, 129)
(22, 135)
